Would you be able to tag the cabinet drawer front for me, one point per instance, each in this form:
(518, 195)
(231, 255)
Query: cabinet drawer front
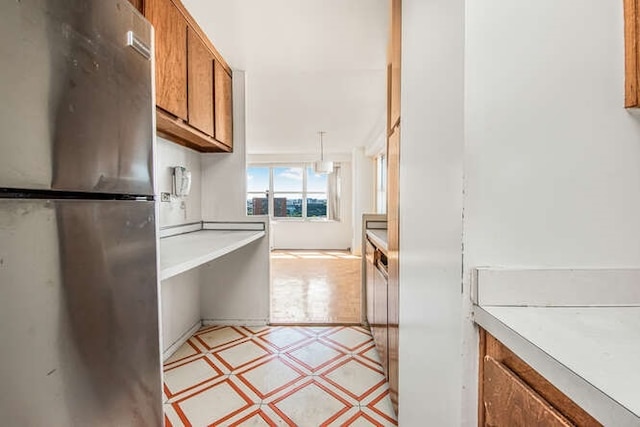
(509, 402)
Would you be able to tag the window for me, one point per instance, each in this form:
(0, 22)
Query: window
(316, 194)
(381, 184)
(258, 183)
(288, 186)
(296, 190)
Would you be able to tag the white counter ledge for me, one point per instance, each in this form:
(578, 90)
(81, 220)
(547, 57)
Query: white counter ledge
(590, 353)
(186, 251)
(379, 238)
(579, 328)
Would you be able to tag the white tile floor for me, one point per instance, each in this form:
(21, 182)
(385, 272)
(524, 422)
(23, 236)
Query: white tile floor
(277, 376)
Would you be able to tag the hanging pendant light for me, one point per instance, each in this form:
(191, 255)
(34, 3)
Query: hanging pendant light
(322, 166)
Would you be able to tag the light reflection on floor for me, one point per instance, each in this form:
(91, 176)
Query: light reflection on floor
(315, 287)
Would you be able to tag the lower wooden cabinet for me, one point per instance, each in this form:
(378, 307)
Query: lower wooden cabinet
(513, 394)
(380, 325)
(509, 401)
(382, 314)
(368, 274)
(393, 228)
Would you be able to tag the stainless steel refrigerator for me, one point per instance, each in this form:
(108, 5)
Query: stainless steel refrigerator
(79, 325)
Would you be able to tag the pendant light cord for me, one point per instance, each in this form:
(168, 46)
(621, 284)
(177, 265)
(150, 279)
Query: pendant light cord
(321, 146)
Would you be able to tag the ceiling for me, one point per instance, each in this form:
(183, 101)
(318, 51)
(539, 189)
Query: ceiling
(311, 65)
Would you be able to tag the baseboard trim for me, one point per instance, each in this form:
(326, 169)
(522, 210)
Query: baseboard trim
(235, 322)
(183, 339)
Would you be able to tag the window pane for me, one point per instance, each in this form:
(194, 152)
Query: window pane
(317, 205)
(287, 179)
(257, 204)
(316, 181)
(287, 205)
(257, 179)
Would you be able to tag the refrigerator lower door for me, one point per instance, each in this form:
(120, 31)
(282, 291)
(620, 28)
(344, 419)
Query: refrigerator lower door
(76, 89)
(79, 314)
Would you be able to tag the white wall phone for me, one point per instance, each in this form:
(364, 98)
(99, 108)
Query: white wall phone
(181, 181)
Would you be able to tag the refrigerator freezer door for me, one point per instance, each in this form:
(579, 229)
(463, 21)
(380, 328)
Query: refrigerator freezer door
(77, 104)
(79, 314)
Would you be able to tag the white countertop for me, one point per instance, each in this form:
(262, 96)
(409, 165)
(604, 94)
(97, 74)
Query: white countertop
(186, 251)
(379, 237)
(592, 354)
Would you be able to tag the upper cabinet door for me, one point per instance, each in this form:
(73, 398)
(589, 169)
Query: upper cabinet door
(200, 87)
(394, 64)
(632, 53)
(171, 65)
(223, 106)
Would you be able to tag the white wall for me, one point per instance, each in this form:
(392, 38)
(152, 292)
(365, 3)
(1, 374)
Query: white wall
(179, 295)
(179, 210)
(431, 207)
(552, 158)
(235, 288)
(363, 194)
(294, 234)
(180, 306)
(224, 175)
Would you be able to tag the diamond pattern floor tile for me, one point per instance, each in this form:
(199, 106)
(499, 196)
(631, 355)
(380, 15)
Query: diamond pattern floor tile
(220, 336)
(350, 339)
(315, 355)
(256, 418)
(362, 420)
(355, 378)
(241, 354)
(381, 405)
(185, 351)
(285, 337)
(310, 404)
(189, 375)
(198, 409)
(277, 376)
(271, 376)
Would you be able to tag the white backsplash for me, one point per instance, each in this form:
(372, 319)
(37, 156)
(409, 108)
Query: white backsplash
(179, 210)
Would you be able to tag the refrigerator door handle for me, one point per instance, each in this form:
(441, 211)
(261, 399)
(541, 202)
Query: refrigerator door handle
(138, 45)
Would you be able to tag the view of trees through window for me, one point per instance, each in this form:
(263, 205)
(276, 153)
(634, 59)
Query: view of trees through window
(286, 192)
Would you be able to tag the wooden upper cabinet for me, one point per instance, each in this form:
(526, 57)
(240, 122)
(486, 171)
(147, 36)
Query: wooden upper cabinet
(193, 98)
(223, 105)
(171, 56)
(393, 69)
(200, 88)
(632, 52)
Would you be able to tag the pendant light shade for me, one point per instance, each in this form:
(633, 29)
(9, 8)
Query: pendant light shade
(322, 166)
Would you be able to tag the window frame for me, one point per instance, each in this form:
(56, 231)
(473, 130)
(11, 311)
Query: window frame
(381, 182)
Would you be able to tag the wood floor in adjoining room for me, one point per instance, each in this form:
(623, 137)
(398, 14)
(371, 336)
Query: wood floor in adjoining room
(315, 287)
